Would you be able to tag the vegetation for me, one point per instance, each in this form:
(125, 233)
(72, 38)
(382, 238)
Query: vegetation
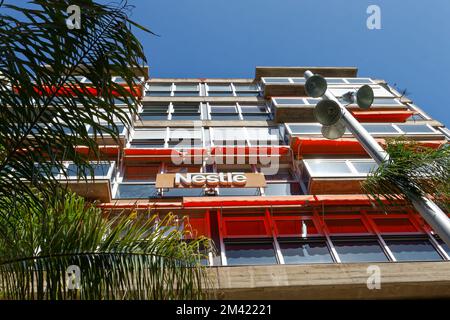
(412, 169)
(120, 257)
(45, 109)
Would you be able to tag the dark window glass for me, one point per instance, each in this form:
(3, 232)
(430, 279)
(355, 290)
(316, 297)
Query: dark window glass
(239, 192)
(256, 117)
(359, 251)
(250, 253)
(225, 116)
(158, 93)
(247, 94)
(182, 192)
(413, 250)
(282, 189)
(305, 252)
(444, 246)
(99, 169)
(157, 143)
(136, 191)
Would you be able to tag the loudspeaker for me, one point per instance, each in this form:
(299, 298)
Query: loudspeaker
(334, 131)
(315, 86)
(327, 112)
(364, 97)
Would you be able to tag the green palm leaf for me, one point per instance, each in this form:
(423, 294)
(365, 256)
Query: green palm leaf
(119, 256)
(44, 106)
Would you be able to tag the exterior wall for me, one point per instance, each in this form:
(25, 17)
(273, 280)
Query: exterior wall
(314, 204)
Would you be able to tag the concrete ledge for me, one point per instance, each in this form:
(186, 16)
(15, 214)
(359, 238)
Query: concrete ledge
(405, 280)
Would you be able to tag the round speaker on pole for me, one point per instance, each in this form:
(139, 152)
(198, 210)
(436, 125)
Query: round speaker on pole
(364, 97)
(327, 112)
(334, 131)
(315, 86)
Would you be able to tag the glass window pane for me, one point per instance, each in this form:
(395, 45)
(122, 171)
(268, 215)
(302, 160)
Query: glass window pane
(386, 102)
(276, 80)
(305, 128)
(359, 251)
(136, 191)
(246, 87)
(364, 167)
(158, 93)
(444, 246)
(253, 109)
(324, 167)
(250, 253)
(290, 101)
(299, 80)
(160, 87)
(282, 189)
(224, 116)
(99, 170)
(411, 128)
(182, 192)
(305, 252)
(335, 81)
(186, 87)
(413, 250)
(214, 87)
(223, 109)
(239, 192)
(359, 80)
(376, 128)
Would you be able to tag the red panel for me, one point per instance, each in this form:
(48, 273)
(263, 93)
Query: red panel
(345, 226)
(245, 228)
(387, 225)
(382, 116)
(198, 226)
(294, 227)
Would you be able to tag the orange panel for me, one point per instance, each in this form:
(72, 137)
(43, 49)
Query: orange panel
(382, 116)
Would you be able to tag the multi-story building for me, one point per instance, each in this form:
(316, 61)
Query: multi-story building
(282, 203)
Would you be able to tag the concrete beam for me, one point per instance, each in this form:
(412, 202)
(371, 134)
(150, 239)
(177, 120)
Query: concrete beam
(404, 280)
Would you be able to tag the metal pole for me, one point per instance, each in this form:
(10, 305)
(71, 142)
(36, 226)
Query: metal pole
(429, 211)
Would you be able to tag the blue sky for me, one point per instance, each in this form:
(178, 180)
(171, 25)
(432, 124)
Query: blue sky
(228, 38)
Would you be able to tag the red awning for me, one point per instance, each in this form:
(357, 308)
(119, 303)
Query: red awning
(382, 116)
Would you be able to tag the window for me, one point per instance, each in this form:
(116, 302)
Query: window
(412, 249)
(136, 191)
(320, 167)
(228, 136)
(119, 129)
(185, 138)
(217, 90)
(99, 170)
(290, 101)
(351, 250)
(305, 128)
(254, 112)
(250, 253)
(339, 168)
(300, 252)
(364, 167)
(264, 136)
(377, 128)
(186, 90)
(246, 90)
(224, 112)
(186, 112)
(163, 90)
(282, 189)
(444, 246)
(155, 112)
(149, 138)
(415, 128)
(239, 192)
(275, 80)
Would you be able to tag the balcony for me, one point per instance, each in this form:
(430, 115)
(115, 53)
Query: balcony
(95, 185)
(298, 109)
(335, 176)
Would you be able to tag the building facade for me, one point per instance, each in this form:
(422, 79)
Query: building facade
(243, 162)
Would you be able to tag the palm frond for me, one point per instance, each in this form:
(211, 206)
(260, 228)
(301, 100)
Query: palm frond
(122, 257)
(45, 107)
(411, 170)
